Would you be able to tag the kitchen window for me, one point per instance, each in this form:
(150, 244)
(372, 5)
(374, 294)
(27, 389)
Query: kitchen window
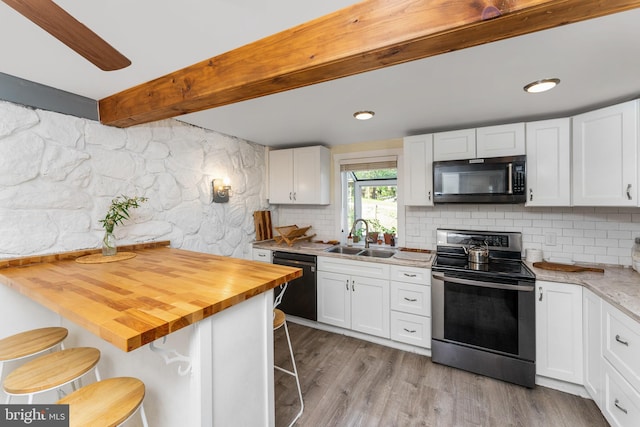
(369, 191)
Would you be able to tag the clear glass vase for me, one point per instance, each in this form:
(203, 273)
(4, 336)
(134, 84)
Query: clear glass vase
(109, 244)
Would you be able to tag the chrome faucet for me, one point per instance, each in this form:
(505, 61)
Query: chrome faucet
(366, 230)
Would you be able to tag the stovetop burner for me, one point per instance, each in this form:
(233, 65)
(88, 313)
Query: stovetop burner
(505, 250)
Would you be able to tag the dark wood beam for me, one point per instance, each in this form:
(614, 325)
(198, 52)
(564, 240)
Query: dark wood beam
(366, 36)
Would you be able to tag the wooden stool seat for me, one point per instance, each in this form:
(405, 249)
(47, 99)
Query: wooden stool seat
(105, 403)
(278, 318)
(51, 371)
(31, 342)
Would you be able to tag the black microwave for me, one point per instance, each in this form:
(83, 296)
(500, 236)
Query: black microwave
(492, 180)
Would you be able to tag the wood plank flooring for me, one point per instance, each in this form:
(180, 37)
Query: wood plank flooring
(349, 382)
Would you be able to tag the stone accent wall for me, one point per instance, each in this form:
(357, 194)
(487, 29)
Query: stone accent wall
(58, 175)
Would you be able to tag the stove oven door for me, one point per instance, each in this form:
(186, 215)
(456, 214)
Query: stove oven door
(497, 317)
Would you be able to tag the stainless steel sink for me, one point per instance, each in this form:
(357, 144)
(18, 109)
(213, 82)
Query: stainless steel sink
(376, 253)
(345, 250)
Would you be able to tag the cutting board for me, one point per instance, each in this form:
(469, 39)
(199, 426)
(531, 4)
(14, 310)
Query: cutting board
(566, 267)
(262, 221)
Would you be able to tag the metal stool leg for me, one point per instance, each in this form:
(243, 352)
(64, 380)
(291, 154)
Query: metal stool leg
(294, 374)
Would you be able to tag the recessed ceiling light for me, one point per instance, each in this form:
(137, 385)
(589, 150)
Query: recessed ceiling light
(541, 85)
(363, 115)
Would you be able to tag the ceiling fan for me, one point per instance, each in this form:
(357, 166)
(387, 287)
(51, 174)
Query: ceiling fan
(57, 22)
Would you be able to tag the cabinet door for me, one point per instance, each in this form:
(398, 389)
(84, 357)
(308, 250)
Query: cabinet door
(605, 157)
(559, 331)
(311, 175)
(334, 299)
(499, 141)
(418, 170)
(370, 306)
(593, 369)
(281, 176)
(549, 163)
(454, 145)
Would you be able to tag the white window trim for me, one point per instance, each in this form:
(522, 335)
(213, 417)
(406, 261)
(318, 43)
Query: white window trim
(367, 156)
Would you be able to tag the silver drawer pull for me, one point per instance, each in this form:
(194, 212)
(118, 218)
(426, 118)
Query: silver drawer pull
(411, 299)
(410, 275)
(617, 402)
(621, 341)
(410, 331)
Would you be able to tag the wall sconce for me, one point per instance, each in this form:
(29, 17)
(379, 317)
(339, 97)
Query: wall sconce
(221, 189)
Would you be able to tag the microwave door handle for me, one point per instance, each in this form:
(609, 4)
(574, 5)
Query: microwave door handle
(510, 178)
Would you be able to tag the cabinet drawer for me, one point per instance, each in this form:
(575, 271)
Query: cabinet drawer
(359, 268)
(420, 276)
(411, 298)
(621, 343)
(263, 255)
(411, 329)
(621, 402)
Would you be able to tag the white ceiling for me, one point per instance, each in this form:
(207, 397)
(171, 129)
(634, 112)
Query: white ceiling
(598, 62)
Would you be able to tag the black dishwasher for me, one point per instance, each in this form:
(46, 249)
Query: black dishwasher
(300, 297)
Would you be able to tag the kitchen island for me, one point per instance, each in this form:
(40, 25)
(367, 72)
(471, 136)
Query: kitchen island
(213, 314)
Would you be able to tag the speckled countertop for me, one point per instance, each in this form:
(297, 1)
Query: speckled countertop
(619, 286)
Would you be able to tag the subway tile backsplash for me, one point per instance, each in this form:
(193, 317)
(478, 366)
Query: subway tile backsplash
(580, 234)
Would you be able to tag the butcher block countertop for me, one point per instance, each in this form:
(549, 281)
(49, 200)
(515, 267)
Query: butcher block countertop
(133, 302)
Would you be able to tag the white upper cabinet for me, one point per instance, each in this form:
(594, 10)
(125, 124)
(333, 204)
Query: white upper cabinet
(499, 141)
(418, 170)
(300, 176)
(605, 156)
(454, 145)
(549, 163)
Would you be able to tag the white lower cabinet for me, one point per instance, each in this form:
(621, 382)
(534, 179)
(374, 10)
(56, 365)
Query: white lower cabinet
(592, 336)
(359, 302)
(559, 331)
(411, 305)
(621, 406)
(263, 255)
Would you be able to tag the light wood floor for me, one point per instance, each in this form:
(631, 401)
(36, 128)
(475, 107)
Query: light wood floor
(349, 382)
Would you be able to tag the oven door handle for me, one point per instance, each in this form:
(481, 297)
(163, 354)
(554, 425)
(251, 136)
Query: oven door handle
(525, 288)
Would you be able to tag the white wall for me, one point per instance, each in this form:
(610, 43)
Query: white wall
(58, 174)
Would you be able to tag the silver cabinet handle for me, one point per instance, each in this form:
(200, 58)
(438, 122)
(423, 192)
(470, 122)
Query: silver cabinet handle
(353, 285)
(617, 403)
(411, 299)
(409, 275)
(290, 195)
(429, 194)
(629, 191)
(347, 285)
(410, 331)
(540, 299)
(621, 341)
(294, 196)
(531, 194)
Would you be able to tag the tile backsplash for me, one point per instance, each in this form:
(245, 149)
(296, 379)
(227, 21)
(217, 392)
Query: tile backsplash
(580, 234)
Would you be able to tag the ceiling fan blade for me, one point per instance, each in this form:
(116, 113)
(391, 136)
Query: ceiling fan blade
(57, 22)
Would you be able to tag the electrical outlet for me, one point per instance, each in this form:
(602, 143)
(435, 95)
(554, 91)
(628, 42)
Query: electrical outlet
(550, 238)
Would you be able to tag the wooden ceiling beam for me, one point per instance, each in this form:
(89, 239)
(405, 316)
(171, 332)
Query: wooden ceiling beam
(366, 36)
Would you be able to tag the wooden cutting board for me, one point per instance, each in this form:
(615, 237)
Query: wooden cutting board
(566, 267)
(262, 221)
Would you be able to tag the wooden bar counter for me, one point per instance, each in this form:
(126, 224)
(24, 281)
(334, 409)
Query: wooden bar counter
(133, 302)
(220, 308)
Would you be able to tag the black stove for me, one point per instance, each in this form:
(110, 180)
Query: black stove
(483, 314)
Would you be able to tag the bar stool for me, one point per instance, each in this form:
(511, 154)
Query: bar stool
(279, 320)
(30, 343)
(106, 403)
(51, 371)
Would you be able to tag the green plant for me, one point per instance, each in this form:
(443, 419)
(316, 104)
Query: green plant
(119, 211)
(376, 226)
